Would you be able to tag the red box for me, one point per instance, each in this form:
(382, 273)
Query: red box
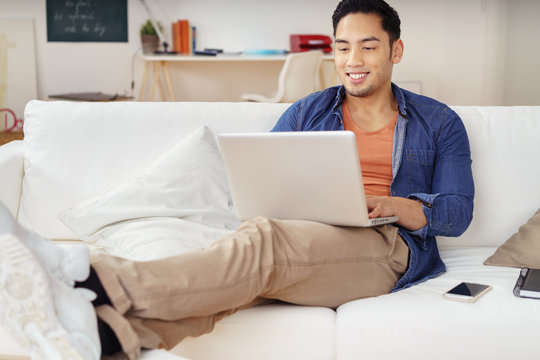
(300, 43)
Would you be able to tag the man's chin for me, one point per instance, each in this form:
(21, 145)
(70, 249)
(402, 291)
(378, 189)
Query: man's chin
(360, 93)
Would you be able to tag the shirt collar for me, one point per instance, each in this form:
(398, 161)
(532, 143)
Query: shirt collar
(340, 97)
(400, 98)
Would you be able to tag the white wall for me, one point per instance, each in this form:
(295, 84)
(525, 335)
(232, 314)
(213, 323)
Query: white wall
(460, 50)
(455, 47)
(522, 72)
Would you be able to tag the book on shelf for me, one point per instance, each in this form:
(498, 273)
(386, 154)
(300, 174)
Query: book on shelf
(528, 283)
(184, 37)
(177, 40)
(193, 39)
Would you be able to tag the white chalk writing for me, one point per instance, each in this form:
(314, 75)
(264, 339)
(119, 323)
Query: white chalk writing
(91, 19)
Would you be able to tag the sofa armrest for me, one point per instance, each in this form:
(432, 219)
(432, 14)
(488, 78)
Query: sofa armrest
(11, 168)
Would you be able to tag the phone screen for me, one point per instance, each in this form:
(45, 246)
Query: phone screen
(468, 289)
(468, 292)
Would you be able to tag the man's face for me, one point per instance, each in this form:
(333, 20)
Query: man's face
(363, 57)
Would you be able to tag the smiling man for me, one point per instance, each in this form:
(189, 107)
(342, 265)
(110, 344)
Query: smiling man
(414, 150)
(415, 163)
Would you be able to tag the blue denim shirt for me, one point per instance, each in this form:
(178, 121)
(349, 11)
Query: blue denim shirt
(431, 163)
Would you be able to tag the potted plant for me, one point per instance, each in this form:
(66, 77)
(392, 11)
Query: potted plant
(149, 37)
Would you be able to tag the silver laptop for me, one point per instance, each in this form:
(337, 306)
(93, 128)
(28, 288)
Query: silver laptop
(297, 175)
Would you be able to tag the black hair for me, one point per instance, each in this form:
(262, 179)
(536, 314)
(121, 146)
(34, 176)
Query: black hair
(389, 17)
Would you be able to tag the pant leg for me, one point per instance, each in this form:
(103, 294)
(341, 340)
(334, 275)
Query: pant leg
(296, 261)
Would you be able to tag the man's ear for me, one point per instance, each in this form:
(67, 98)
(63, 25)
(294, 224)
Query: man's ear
(397, 51)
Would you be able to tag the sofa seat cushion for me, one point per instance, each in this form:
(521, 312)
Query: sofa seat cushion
(275, 331)
(497, 326)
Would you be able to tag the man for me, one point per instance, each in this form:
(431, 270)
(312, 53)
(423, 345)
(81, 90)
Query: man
(416, 165)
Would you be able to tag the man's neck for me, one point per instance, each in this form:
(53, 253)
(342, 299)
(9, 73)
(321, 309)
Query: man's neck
(372, 112)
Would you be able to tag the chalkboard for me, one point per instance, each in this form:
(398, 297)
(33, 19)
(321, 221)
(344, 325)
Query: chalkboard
(87, 20)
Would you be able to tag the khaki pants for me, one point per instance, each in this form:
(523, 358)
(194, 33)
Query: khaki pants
(158, 303)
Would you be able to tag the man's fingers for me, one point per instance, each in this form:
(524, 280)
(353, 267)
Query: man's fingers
(373, 213)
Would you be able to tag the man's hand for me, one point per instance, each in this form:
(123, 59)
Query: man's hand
(410, 213)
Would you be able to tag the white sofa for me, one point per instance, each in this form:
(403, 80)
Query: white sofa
(76, 151)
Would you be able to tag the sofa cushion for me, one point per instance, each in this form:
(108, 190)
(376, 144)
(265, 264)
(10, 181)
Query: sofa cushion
(418, 323)
(522, 249)
(505, 173)
(74, 151)
(155, 237)
(180, 202)
(277, 331)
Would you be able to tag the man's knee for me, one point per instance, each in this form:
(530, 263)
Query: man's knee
(261, 223)
(261, 220)
(262, 226)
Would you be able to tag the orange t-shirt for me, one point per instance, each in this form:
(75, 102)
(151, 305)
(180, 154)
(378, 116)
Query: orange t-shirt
(375, 151)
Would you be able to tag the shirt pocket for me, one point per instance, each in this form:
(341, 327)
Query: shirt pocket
(419, 170)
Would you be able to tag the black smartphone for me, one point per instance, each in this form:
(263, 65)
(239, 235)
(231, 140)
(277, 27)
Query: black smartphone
(468, 292)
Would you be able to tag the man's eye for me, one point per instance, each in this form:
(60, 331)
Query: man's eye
(369, 48)
(343, 49)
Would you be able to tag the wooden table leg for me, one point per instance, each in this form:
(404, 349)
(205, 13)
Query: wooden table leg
(156, 67)
(168, 81)
(159, 70)
(143, 84)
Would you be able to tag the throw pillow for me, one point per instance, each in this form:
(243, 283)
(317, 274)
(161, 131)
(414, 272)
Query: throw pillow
(186, 185)
(522, 249)
(155, 237)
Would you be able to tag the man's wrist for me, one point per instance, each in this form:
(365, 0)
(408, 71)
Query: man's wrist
(412, 216)
(421, 201)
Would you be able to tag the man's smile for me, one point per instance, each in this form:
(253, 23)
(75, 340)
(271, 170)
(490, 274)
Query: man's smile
(357, 75)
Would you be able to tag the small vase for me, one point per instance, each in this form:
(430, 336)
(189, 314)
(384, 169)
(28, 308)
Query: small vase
(150, 43)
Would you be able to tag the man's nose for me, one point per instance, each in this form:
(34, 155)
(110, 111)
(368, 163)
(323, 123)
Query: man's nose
(356, 57)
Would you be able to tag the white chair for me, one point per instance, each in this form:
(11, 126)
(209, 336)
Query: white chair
(298, 78)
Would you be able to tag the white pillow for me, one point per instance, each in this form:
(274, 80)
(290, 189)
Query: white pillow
(155, 238)
(180, 197)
